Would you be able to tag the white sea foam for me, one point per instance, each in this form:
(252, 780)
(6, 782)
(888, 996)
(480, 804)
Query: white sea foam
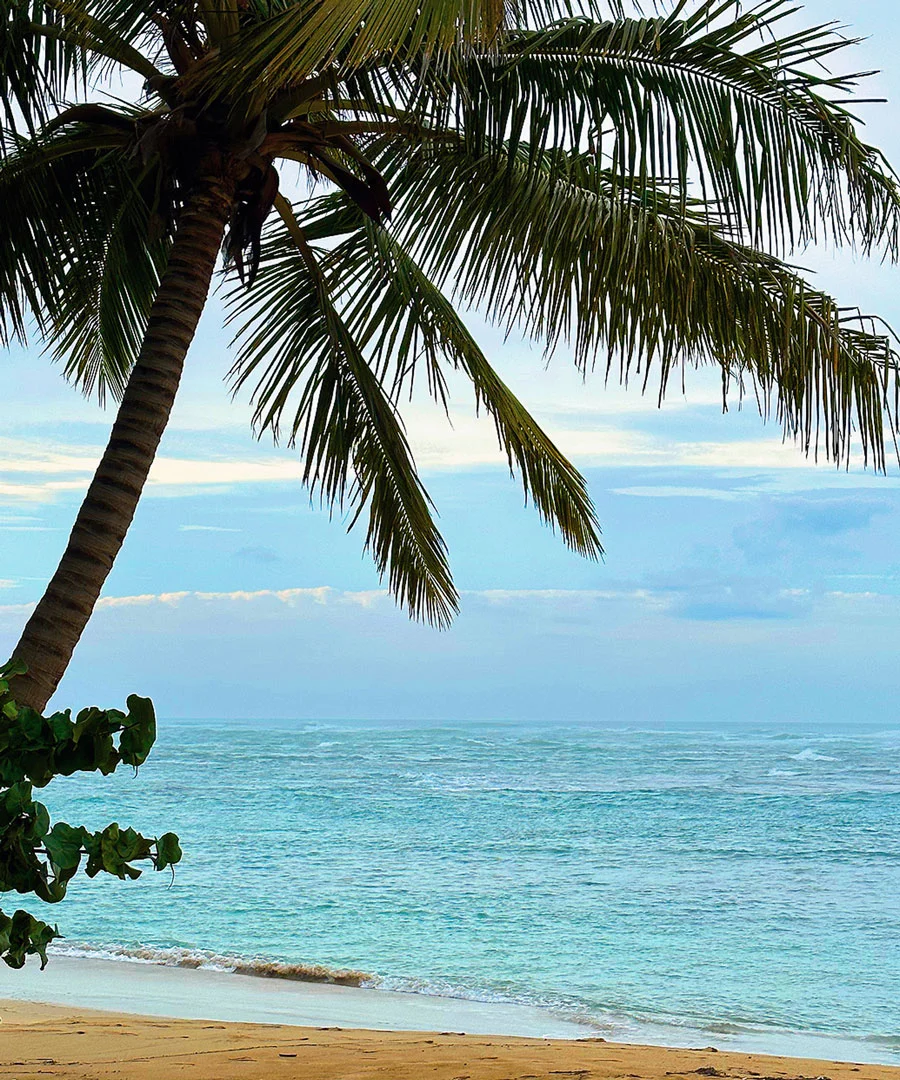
(403, 1003)
(552, 865)
(810, 755)
(211, 961)
(155, 989)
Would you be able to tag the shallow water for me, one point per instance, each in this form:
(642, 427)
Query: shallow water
(720, 881)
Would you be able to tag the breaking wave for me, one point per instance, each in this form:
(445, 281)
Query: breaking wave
(210, 961)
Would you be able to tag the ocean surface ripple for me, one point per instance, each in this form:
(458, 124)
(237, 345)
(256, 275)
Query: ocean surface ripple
(718, 879)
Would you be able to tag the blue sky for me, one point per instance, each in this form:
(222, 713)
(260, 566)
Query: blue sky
(740, 580)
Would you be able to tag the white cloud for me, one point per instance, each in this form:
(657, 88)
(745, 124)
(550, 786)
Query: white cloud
(22, 523)
(592, 434)
(368, 599)
(318, 595)
(503, 596)
(39, 493)
(207, 528)
(36, 469)
(321, 594)
(649, 491)
(17, 611)
(193, 472)
(29, 456)
(554, 610)
(171, 599)
(32, 473)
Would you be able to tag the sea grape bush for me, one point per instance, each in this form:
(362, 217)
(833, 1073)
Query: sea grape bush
(38, 858)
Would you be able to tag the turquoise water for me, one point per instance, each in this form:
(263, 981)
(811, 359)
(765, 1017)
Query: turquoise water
(718, 880)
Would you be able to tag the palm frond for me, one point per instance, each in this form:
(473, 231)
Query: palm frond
(721, 100)
(106, 34)
(574, 258)
(412, 303)
(355, 452)
(48, 48)
(80, 256)
(105, 299)
(42, 195)
(291, 41)
(34, 67)
(617, 186)
(402, 322)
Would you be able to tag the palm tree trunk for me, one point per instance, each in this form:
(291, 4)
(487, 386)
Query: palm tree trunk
(59, 619)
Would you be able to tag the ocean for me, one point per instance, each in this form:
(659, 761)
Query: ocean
(735, 885)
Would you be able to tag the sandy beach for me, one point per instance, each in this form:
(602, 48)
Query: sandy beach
(53, 1041)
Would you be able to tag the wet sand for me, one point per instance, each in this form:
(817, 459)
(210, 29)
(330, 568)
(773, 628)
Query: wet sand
(58, 1041)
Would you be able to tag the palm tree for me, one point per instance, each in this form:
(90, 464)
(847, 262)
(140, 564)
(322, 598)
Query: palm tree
(622, 188)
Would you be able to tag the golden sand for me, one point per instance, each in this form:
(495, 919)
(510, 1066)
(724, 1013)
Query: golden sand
(51, 1041)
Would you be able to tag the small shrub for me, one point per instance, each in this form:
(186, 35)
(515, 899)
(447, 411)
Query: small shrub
(40, 858)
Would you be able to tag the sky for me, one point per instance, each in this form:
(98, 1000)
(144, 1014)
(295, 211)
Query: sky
(740, 582)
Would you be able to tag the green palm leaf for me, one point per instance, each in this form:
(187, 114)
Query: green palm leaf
(81, 257)
(291, 41)
(48, 48)
(718, 100)
(401, 321)
(558, 490)
(617, 186)
(556, 246)
(105, 300)
(354, 448)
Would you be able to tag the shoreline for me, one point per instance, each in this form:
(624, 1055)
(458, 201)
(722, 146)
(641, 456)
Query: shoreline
(153, 990)
(79, 1044)
(208, 994)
